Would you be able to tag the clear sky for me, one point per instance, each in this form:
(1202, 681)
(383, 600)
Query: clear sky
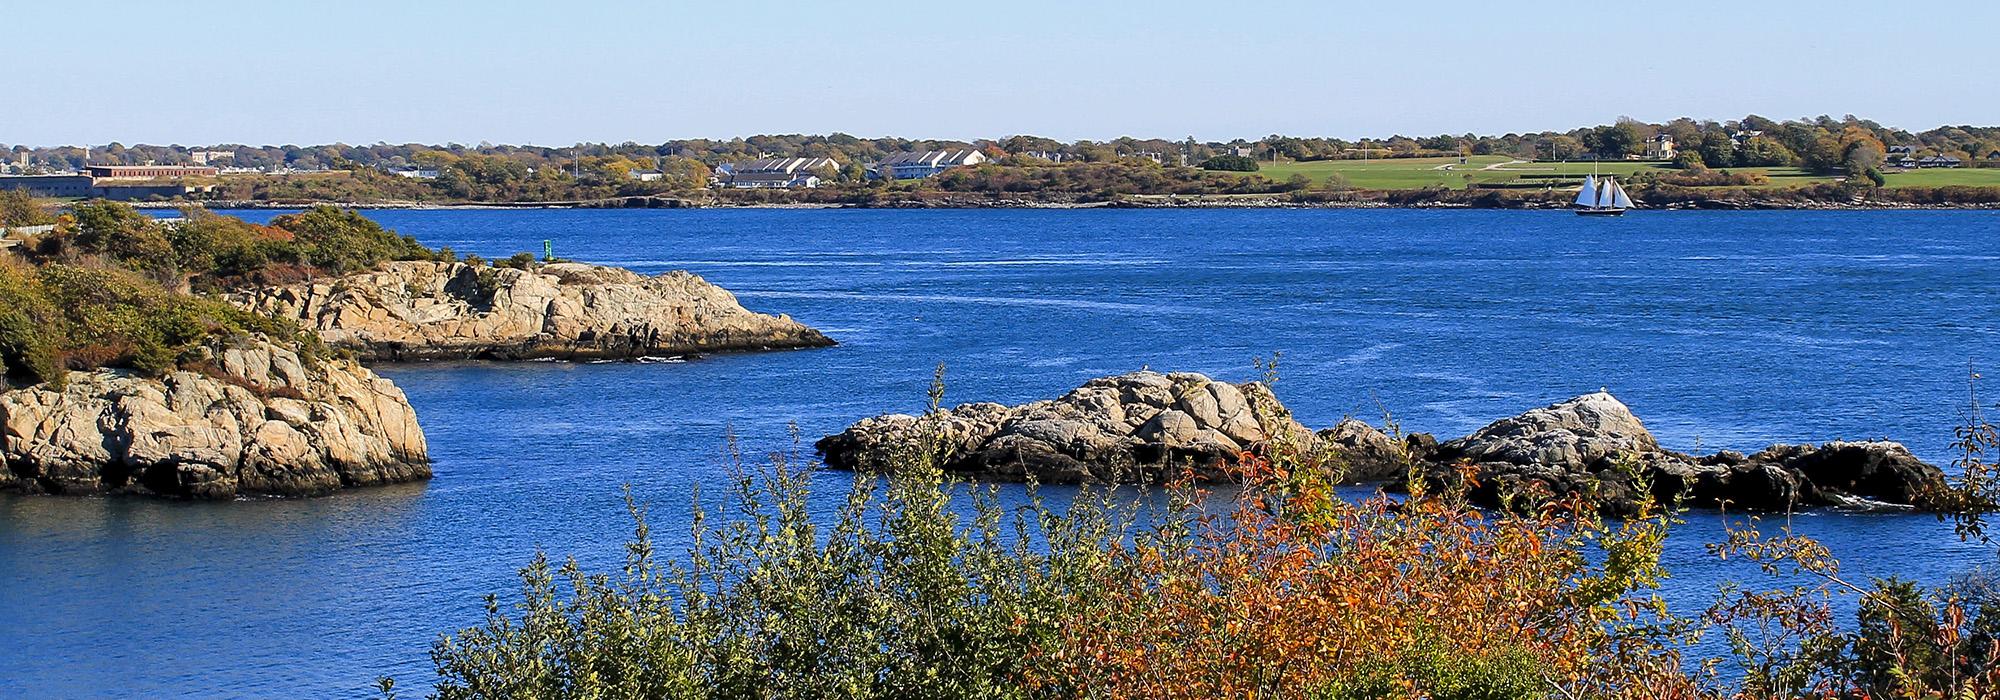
(199, 72)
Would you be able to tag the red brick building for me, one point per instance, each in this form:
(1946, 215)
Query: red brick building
(148, 172)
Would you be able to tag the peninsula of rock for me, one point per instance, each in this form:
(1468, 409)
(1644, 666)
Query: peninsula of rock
(421, 310)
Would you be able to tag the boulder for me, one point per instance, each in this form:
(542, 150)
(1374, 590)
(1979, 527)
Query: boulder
(437, 310)
(258, 420)
(1367, 454)
(1584, 431)
(1594, 446)
(1137, 427)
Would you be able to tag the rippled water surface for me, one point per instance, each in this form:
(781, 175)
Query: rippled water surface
(1721, 330)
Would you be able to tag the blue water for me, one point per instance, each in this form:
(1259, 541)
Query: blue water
(1721, 330)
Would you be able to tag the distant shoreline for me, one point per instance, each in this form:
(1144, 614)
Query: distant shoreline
(1134, 202)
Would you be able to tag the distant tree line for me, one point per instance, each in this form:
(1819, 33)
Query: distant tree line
(504, 173)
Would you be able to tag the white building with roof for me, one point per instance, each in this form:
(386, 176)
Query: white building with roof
(776, 172)
(912, 166)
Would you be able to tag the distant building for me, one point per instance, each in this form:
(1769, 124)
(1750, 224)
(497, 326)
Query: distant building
(1900, 160)
(647, 175)
(912, 166)
(85, 186)
(1051, 156)
(1939, 162)
(1154, 156)
(208, 157)
(776, 173)
(1241, 151)
(1902, 150)
(1742, 137)
(149, 172)
(50, 185)
(416, 173)
(1993, 156)
(1660, 147)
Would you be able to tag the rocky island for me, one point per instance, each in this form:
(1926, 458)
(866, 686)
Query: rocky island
(426, 310)
(260, 420)
(1144, 426)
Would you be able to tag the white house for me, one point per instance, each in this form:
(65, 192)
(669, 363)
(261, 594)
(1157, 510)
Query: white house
(776, 172)
(1660, 147)
(911, 166)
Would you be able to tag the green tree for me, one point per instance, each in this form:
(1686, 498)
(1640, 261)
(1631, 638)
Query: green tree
(1244, 164)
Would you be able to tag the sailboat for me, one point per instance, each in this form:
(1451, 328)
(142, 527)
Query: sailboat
(1602, 197)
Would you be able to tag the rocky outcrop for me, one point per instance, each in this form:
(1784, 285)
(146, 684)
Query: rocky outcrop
(1137, 427)
(259, 420)
(433, 310)
(1146, 426)
(1593, 445)
(1367, 454)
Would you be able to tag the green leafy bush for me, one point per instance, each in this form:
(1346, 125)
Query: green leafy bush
(59, 317)
(207, 251)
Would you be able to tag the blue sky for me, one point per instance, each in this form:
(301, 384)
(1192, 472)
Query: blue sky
(560, 72)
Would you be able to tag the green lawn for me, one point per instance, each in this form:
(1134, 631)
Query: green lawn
(1939, 177)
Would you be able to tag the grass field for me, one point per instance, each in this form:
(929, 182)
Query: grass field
(1939, 177)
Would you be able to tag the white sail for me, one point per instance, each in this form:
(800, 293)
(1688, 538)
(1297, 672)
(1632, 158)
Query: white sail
(1619, 200)
(1587, 197)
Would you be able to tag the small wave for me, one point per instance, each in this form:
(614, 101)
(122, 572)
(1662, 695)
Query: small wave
(642, 360)
(743, 263)
(959, 299)
(1028, 262)
(1367, 354)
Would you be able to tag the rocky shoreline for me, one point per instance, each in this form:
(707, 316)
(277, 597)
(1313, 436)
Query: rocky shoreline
(414, 311)
(1146, 427)
(259, 420)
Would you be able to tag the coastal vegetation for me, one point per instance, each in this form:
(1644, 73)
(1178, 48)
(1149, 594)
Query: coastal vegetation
(923, 587)
(1796, 157)
(112, 287)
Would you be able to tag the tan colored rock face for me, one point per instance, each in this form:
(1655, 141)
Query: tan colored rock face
(1131, 427)
(1584, 430)
(430, 310)
(266, 424)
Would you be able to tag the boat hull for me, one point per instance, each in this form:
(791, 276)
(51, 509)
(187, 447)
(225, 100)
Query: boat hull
(1600, 212)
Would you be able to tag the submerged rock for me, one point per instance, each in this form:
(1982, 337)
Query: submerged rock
(1136, 427)
(260, 420)
(433, 310)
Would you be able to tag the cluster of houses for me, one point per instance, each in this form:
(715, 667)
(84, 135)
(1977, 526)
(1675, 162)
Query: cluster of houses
(1905, 157)
(810, 172)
